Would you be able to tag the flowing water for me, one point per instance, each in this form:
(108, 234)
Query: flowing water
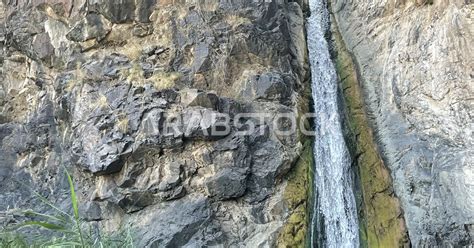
(334, 221)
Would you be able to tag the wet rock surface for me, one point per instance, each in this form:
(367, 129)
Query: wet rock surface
(127, 95)
(415, 68)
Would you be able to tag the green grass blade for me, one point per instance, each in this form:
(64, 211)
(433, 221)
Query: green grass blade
(75, 207)
(46, 225)
(44, 200)
(129, 239)
(46, 216)
(65, 244)
(12, 240)
(73, 196)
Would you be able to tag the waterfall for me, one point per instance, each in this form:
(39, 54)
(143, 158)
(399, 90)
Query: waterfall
(334, 221)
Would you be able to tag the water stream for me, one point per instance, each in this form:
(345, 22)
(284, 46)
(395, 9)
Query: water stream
(334, 221)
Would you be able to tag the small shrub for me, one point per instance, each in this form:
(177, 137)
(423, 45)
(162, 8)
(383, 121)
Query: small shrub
(122, 124)
(132, 50)
(164, 80)
(159, 80)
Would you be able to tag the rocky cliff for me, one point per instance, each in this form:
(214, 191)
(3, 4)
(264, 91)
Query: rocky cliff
(381, 220)
(122, 94)
(414, 60)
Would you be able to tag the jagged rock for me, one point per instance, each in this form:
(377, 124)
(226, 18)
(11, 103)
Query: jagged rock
(173, 194)
(173, 221)
(269, 163)
(42, 46)
(201, 123)
(116, 11)
(125, 10)
(150, 129)
(227, 184)
(142, 30)
(107, 160)
(170, 95)
(232, 163)
(136, 200)
(230, 107)
(143, 10)
(201, 57)
(171, 178)
(150, 50)
(131, 170)
(194, 97)
(92, 212)
(108, 68)
(131, 117)
(269, 86)
(93, 26)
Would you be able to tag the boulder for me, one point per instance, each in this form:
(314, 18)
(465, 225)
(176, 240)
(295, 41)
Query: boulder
(201, 123)
(136, 200)
(171, 177)
(106, 160)
(143, 10)
(93, 26)
(174, 223)
(227, 184)
(43, 47)
(194, 97)
(267, 86)
(116, 11)
(201, 57)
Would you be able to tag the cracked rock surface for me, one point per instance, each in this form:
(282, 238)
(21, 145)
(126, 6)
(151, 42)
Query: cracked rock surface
(415, 60)
(123, 95)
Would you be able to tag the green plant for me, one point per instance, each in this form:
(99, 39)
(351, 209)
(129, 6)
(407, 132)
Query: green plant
(63, 229)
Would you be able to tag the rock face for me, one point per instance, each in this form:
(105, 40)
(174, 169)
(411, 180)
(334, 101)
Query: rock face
(415, 64)
(381, 220)
(139, 100)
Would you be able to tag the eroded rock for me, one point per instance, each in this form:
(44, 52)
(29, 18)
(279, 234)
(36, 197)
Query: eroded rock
(129, 103)
(93, 26)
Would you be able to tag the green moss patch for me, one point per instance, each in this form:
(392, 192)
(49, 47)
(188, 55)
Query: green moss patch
(382, 223)
(297, 197)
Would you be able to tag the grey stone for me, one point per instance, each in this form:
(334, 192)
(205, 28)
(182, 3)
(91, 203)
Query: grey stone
(172, 176)
(142, 30)
(93, 26)
(136, 200)
(201, 57)
(269, 86)
(42, 46)
(133, 167)
(107, 160)
(150, 50)
(92, 212)
(201, 123)
(116, 11)
(227, 184)
(174, 187)
(410, 84)
(269, 163)
(174, 223)
(194, 97)
(143, 10)
(173, 194)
